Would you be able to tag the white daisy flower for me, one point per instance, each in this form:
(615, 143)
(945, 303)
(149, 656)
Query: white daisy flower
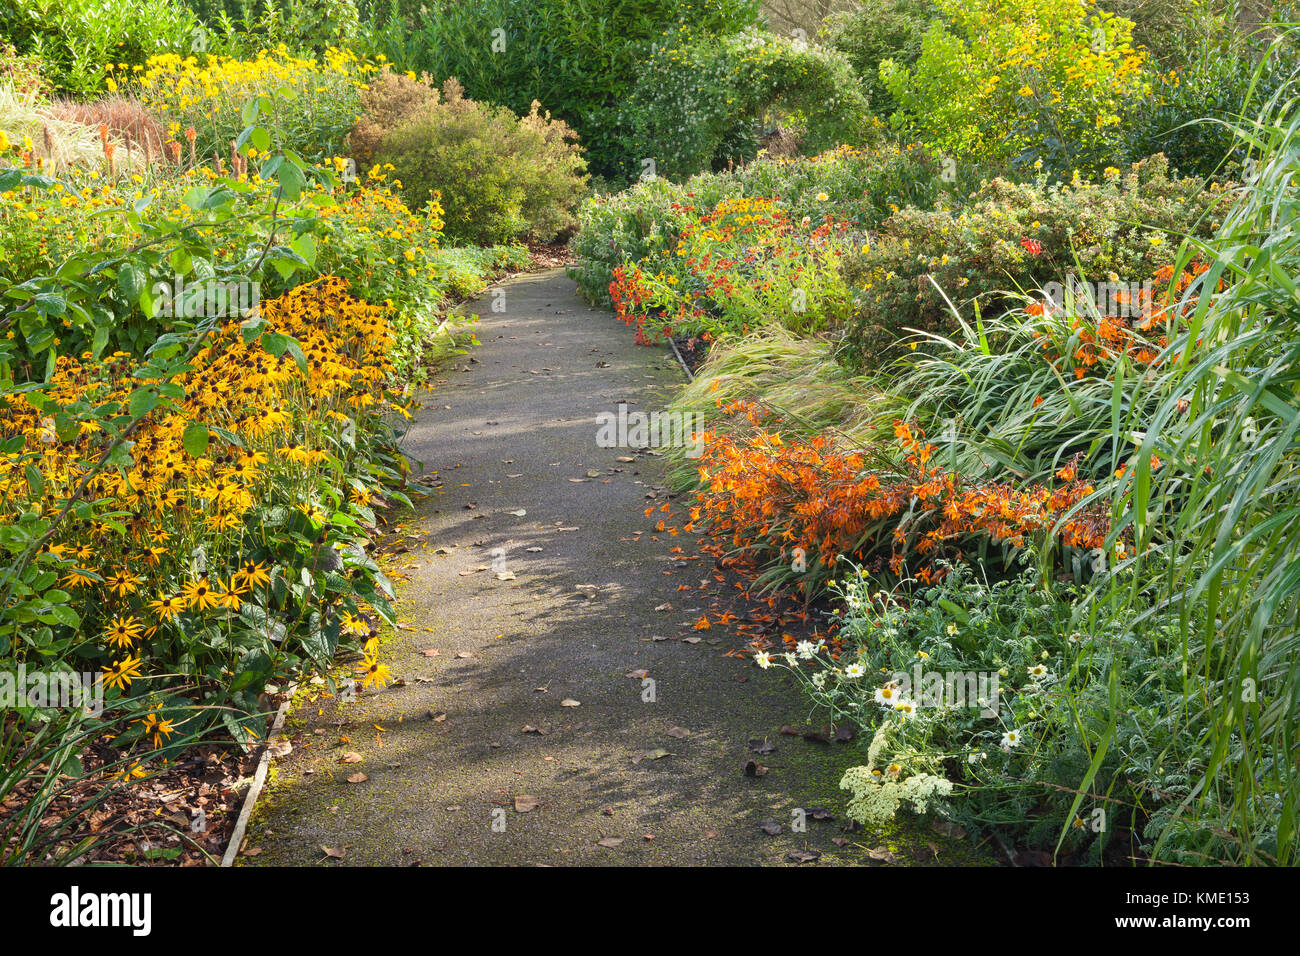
(805, 650)
(763, 659)
(1010, 739)
(854, 671)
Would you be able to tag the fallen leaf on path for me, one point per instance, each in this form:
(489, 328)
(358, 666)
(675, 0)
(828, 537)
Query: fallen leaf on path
(431, 652)
(883, 854)
(533, 550)
(570, 702)
(761, 747)
(334, 852)
(639, 674)
(678, 732)
(803, 856)
(530, 729)
(817, 813)
(524, 803)
(358, 778)
(948, 828)
(462, 655)
(657, 754)
(610, 842)
(350, 756)
(755, 769)
(769, 826)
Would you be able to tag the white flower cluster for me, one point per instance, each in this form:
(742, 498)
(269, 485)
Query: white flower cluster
(878, 793)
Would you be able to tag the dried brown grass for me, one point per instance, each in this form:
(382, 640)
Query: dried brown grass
(126, 120)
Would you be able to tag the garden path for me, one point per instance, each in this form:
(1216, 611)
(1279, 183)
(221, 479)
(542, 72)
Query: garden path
(509, 429)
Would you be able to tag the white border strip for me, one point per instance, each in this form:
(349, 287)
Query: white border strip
(259, 779)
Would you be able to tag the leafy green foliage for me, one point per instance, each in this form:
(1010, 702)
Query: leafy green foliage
(498, 177)
(860, 186)
(1194, 109)
(77, 40)
(699, 105)
(1010, 82)
(1018, 236)
(578, 58)
(879, 30)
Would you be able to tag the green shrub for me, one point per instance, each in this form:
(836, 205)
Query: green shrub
(243, 27)
(78, 40)
(578, 58)
(698, 105)
(879, 30)
(859, 186)
(500, 177)
(1018, 236)
(637, 224)
(1193, 109)
(1009, 82)
(389, 100)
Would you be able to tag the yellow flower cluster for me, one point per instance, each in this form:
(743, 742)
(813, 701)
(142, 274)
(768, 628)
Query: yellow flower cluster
(278, 436)
(171, 83)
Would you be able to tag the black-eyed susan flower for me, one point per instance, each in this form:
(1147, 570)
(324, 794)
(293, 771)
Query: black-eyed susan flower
(123, 631)
(374, 674)
(122, 673)
(252, 574)
(167, 606)
(199, 595)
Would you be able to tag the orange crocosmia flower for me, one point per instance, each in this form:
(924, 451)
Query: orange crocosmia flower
(702, 624)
